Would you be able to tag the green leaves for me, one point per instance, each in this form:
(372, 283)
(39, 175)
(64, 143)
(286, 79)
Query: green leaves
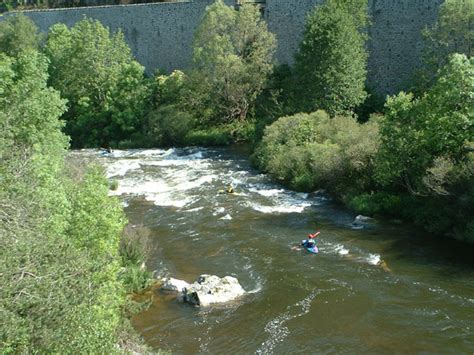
(59, 244)
(18, 34)
(232, 58)
(452, 33)
(415, 132)
(310, 151)
(331, 65)
(104, 85)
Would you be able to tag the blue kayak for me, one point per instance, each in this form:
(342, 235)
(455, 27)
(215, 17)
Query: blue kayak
(314, 249)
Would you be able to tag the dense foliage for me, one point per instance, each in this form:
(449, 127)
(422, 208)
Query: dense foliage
(60, 267)
(232, 60)
(416, 132)
(17, 34)
(453, 32)
(426, 150)
(331, 65)
(313, 151)
(105, 87)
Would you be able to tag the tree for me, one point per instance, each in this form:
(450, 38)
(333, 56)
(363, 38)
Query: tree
(232, 59)
(453, 32)
(59, 238)
(17, 34)
(331, 65)
(105, 87)
(417, 133)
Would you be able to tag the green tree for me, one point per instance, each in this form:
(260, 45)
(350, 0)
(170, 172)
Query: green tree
(17, 34)
(232, 59)
(59, 236)
(453, 32)
(331, 65)
(30, 131)
(104, 85)
(417, 132)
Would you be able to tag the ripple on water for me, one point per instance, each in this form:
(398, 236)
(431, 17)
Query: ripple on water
(277, 329)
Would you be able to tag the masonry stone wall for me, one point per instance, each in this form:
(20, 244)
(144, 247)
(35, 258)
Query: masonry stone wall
(160, 34)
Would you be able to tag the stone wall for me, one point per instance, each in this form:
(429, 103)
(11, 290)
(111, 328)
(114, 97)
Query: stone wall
(160, 34)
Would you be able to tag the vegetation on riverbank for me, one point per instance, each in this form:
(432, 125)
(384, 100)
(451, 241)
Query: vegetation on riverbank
(63, 273)
(415, 161)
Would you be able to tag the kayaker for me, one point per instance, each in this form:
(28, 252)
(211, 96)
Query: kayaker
(311, 242)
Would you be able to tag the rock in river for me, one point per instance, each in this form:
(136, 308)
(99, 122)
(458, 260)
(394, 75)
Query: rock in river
(362, 222)
(208, 289)
(173, 285)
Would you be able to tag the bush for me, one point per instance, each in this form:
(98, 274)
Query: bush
(60, 233)
(208, 137)
(310, 151)
(416, 133)
(168, 126)
(380, 203)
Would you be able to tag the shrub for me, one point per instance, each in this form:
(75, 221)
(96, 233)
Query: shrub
(168, 126)
(309, 151)
(417, 132)
(135, 249)
(382, 203)
(212, 136)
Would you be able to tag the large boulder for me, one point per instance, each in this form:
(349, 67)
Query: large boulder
(210, 289)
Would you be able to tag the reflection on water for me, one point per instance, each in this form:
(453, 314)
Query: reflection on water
(380, 288)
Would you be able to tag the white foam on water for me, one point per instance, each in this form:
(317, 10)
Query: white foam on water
(154, 152)
(373, 259)
(117, 153)
(302, 195)
(158, 192)
(341, 250)
(194, 209)
(267, 193)
(195, 164)
(227, 217)
(192, 184)
(122, 167)
(283, 208)
(219, 210)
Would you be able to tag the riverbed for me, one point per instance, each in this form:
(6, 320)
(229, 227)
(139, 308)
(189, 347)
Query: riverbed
(381, 287)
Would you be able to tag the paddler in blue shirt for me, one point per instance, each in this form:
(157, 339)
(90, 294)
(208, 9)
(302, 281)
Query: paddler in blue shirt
(311, 242)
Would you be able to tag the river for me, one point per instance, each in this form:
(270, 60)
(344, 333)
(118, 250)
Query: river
(382, 288)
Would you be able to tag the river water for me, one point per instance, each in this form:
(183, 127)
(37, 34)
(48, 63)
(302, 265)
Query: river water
(382, 288)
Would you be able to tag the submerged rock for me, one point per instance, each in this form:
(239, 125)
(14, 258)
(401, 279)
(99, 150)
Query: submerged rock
(362, 221)
(210, 289)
